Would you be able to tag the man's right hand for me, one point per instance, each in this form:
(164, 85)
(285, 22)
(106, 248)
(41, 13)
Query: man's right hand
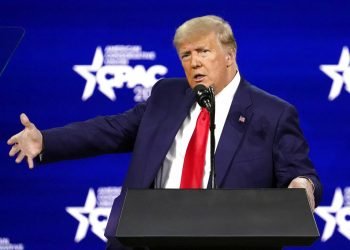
(27, 143)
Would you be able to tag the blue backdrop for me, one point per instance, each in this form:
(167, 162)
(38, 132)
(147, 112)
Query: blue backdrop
(80, 59)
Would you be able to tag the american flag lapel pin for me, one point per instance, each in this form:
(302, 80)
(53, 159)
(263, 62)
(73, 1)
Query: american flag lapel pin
(241, 119)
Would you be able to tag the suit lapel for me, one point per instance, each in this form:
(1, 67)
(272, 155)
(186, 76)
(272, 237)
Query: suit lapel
(233, 132)
(167, 129)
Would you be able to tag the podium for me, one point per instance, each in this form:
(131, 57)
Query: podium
(216, 219)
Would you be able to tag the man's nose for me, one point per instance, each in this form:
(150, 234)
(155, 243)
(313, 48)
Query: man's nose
(195, 61)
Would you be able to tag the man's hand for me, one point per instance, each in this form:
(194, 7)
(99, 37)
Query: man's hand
(27, 143)
(302, 182)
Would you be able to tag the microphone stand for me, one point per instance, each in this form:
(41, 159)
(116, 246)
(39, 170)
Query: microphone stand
(212, 139)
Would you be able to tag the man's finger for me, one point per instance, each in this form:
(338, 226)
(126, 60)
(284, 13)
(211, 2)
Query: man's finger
(20, 157)
(12, 140)
(14, 150)
(30, 162)
(300, 182)
(25, 120)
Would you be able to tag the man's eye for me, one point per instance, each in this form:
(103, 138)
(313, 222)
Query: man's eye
(184, 56)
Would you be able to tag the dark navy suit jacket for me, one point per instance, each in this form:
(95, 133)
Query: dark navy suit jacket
(267, 150)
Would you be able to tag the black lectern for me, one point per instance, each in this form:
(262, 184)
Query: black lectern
(216, 219)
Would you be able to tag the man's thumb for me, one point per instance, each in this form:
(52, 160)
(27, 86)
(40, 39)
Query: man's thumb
(25, 120)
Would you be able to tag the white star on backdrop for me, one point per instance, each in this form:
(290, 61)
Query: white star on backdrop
(339, 73)
(78, 213)
(335, 215)
(88, 72)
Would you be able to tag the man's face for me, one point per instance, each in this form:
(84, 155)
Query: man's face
(206, 62)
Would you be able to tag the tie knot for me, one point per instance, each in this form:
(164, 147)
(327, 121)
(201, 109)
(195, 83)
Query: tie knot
(204, 114)
(204, 110)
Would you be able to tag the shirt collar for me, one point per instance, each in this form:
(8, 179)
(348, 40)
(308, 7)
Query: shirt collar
(230, 89)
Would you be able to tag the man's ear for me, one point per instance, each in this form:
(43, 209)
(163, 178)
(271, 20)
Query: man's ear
(230, 57)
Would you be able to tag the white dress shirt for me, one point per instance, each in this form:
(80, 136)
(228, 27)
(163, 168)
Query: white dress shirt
(169, 176)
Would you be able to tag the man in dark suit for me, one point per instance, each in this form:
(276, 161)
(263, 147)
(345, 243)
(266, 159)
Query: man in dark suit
(259, 141)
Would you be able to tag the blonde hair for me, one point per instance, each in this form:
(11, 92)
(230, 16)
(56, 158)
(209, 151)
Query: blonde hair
(205, 25)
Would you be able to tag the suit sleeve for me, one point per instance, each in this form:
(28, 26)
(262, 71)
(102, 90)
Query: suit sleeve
(101, 135)
(291, 152)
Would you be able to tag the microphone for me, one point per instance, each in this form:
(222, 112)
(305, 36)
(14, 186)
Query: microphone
(206, 99)
(203, 96)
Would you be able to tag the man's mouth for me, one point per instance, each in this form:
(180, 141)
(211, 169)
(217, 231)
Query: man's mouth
(198, 77)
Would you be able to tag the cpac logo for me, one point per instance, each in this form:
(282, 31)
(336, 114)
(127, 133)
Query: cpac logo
(111, 70)
(336, 215)
(90, 214)
(340, 74)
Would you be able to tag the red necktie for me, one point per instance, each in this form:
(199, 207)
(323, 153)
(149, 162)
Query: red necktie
(193, 169)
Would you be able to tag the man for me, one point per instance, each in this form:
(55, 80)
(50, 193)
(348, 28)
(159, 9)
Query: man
(259, 142)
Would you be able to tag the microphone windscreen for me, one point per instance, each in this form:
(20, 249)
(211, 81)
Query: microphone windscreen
(203, 96)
